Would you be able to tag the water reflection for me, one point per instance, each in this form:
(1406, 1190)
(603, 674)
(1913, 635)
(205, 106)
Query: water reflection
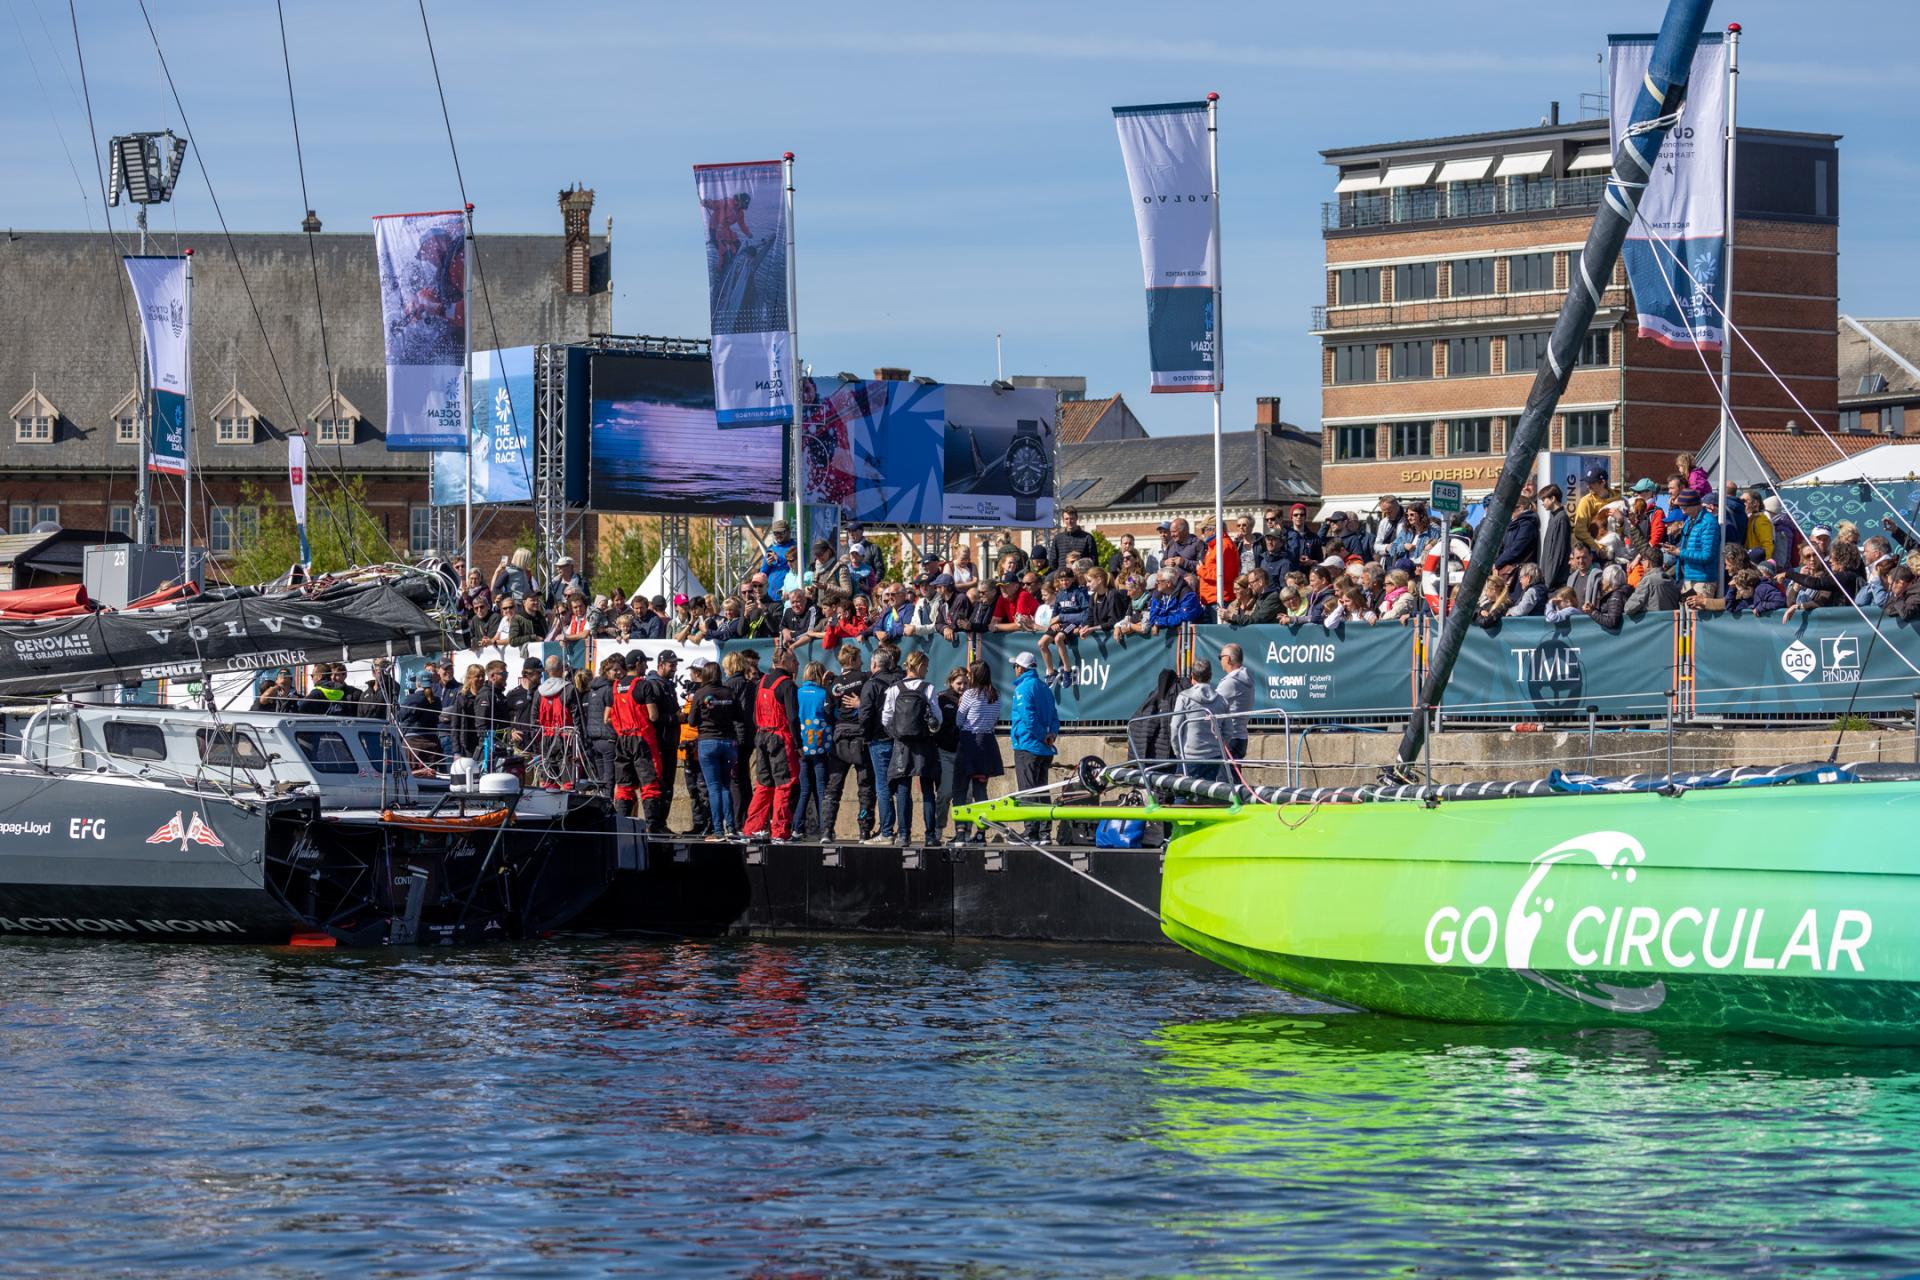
(1396, 1144)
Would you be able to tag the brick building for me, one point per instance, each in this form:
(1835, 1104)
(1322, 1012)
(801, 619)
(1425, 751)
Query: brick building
(68, 450)
(1446, 265)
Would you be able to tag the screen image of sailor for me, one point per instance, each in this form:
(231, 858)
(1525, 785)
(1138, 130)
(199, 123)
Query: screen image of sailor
(657, 447)
(746, 247)
(999, 456)
(423, 288)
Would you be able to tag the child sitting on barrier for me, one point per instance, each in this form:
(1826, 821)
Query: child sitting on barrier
(1562, 605)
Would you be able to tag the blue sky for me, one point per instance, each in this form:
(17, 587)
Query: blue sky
(958, 173)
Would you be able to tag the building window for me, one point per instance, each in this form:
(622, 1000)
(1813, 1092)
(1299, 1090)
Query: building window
(335, 430)
(126, 429)
(1416, 281)
(1472, 277)
(1470, 435)
(1468, 199)
(20, 518)
(46, 515)
(234, 430)
(1596, 348)
(420, 530)
(1893, 419)
(33, 429)
(1350, 443)
(1850, 420)
(1527, 351)
(1354, 362)
(246, 526)
(1529, 272)
(120, 519)
(1467, 356)
(1413, 359)
(1151, 492)
(1528, 194)
(1416, 204)
(220, 531)
(1589, 430)
(1357, 285)
(1412, 439)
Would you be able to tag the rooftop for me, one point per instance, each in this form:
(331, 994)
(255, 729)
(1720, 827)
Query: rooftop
(1107, 474)
(1868, 375)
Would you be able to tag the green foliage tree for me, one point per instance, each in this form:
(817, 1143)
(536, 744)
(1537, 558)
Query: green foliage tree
(625, 558)
(340, 530)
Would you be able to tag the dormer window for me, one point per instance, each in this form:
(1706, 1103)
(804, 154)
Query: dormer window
(126, 419)
(33, 418)
(335, 420)
(235, 420)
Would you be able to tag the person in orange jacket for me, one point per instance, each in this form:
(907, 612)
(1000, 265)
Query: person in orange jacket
(1211, 575)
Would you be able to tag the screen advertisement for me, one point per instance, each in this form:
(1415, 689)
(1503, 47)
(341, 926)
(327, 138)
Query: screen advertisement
(656, 445)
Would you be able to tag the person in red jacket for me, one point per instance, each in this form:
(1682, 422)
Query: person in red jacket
(1211, 573)
(636, 750)
(776, 752)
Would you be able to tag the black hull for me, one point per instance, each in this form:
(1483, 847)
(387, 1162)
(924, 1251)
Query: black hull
(678, 888)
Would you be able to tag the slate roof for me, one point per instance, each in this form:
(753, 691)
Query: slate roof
(1099, 475)
(63, 329)
(1860, 358)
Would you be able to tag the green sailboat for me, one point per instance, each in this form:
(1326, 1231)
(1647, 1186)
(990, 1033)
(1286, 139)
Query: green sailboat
(1780, 903)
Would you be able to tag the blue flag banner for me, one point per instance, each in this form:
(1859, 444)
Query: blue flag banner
(423, 303)
(1685, 202)
(500, 434)
(1170, 175)
(746, 230)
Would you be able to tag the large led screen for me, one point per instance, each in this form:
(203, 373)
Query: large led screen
(656, 446)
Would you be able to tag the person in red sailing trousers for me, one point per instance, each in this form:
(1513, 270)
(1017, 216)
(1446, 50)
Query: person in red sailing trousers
(636, 749)
(776, 752)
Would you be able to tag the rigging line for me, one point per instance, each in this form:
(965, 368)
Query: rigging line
(473, 243)
(1727, 408)
(1734, 331)
(46, 101)
(100, 172)
(233, 249)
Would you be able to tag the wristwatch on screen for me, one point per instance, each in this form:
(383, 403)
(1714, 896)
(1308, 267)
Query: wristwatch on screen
(1028, 469)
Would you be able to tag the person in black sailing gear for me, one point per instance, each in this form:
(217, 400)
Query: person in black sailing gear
(849, 750)
(599, 725)
(661, 695)
(743, 682)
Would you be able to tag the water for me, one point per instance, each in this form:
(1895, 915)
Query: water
(844, 1108)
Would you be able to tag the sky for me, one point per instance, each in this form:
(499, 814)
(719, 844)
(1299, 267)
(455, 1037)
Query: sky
(958, 174)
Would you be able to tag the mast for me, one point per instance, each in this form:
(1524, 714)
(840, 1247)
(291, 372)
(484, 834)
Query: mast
(802, 550)
(466, 385)
(143, 416)
(186, 448)
(1721, 500)
(1219, 347)
(1633, 166)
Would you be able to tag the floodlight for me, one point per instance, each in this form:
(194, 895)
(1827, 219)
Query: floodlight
(849, 377)
(1001, 384)
(138, 170)
(925, 381)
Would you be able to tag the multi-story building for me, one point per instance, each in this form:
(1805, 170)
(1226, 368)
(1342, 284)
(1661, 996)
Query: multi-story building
(1446, 265)
(261, 358)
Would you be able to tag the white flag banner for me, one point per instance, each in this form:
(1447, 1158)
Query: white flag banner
(297, 484)
(161, 291)
(423, 304)
(1684, 206)
(1171, 179)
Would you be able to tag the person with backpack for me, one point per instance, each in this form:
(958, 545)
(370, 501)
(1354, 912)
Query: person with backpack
(776, 752)
(714, 717)
(873, 729)
(911, 716)
(816, 740)
(849, 745)
(978, 758)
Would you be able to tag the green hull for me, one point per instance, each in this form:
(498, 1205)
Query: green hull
(1790, 910)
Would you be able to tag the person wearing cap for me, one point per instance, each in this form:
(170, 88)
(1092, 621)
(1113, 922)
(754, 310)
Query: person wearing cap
(1035, 727)
(1699, 547)
(660, 703)
(1302, 545)
(1586, 512)
(869, 550)
(564, 580)
(858, 572)
(1353, 538)
(1070, 540)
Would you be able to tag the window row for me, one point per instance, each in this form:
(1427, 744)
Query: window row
(1467, 278)
(1412, 358)
(1358, 443)
(235, 421)
(1890, 419)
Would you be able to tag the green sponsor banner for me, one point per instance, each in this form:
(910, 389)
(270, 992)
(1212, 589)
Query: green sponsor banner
(1108, 679)
(1310, 670)
(167, 445)
(1824, 662)
(1536, 669)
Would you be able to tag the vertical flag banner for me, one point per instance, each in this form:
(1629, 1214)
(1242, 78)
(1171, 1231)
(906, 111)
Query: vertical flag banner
(1685, 202)
(501, 434)
(160, 291)
(1168, 172)
(423, 302)
(297, 485)
(747, 291)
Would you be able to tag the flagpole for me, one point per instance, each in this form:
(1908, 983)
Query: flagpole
(186, 439)
(1219, 344)
(801, 547)
(466, 386)
(1721, 502)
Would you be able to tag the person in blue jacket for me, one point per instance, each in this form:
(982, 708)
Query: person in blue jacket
(1172, 604)
(1035, 724)
(1699, 547)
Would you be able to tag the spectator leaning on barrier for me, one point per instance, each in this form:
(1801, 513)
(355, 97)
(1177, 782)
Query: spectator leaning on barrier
(1219, 565)
(1610, 606)
(1236, 691)
(1035, 729)
(1699, 546)
(1655, 590)
(1197, 731)
(1174, 604)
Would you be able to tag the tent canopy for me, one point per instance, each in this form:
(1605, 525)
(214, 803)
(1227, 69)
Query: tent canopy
(1882, 462)
(670, 577)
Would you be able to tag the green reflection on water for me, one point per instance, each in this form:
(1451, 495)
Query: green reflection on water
(1370, 1144)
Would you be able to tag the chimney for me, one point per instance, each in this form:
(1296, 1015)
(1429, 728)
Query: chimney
(1553, 112)
(576, 268)
(887, 374)
(1793, 427)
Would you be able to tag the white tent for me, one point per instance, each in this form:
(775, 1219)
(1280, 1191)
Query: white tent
(670, 577)
(1746, 468)
(1882, 462)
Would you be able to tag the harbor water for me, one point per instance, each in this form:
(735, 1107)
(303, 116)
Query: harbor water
(853, 1108)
